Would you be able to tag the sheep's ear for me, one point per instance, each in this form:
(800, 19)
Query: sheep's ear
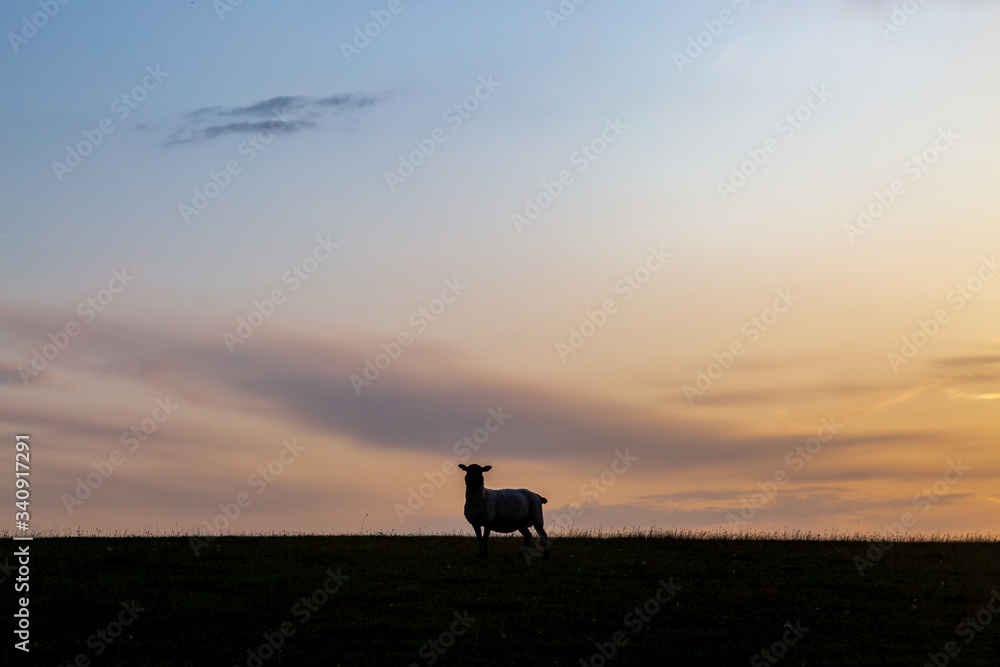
(485, 468)
(463, 466)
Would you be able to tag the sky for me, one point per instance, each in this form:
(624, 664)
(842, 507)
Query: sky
(713, 266)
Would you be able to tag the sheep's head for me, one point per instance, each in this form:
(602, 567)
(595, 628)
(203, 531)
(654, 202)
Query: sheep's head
(474, 473)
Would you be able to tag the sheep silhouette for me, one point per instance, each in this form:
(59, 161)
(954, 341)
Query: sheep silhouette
(502, 511)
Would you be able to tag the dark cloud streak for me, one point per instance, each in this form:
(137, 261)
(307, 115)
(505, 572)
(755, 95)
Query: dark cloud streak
(308, 383)
(273, 114)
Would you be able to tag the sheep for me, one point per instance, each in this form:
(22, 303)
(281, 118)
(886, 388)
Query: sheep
(502, 510)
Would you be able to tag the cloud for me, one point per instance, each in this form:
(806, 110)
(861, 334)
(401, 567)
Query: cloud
(730, 54)
(307, 383)
(971, 360)
(285, 127)
(781, 395)
(281, 114)
(961, 395)
(8, 373)
(970, 377)
(813, 505)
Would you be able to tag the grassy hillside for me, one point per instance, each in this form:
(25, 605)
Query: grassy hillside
(359, 600)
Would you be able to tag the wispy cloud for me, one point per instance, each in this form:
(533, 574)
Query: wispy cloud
(965, 396)
(971, 360)
(807, 506)
(8, 373)
(307, 383)
(281, 114)
(730, 54)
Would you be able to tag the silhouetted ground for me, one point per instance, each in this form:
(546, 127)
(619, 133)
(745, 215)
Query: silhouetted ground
(402, 592)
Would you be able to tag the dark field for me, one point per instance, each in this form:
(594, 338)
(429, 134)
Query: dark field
(398, 593)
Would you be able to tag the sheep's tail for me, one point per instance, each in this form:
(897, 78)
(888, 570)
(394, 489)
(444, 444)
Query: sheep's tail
(543, 499)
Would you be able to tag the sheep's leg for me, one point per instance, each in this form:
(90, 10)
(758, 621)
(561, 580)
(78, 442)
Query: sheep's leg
(479, 541)
(543, 540)
(484, 552)
(525, 548)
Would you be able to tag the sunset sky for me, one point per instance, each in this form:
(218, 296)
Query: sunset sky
(744, 246)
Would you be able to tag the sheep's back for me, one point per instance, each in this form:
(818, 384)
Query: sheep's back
(510, 509)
